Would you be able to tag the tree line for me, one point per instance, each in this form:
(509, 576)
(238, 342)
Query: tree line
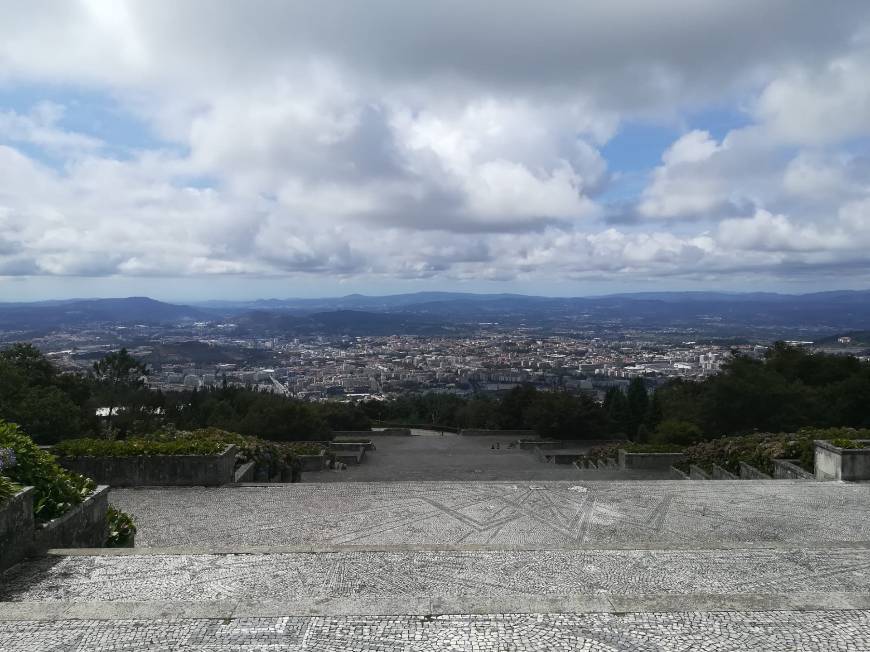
(789, 389)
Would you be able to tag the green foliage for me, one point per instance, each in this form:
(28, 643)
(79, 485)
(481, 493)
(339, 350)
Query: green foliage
(7, 489)
(55, 490)
(682, 433)
(304, 448)
(135, 446)
(791, 389)
(272, 455)
(122, 529)
(759, 450)
(48, 405)
(849, 443)
(651, 448)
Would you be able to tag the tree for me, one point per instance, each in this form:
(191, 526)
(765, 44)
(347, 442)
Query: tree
(118, 375)
(638, 404)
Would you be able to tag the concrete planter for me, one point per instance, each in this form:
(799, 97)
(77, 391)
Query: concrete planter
(351, 446)
(718, 473)
(697, 473)
(82, 526)
(676, 474)
(648, 461)
(313, 462)
(157, 470)
(835, 463)
(16, 528)
(789, 470)
(749, 472)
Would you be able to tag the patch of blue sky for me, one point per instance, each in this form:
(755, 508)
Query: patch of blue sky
(88, 112)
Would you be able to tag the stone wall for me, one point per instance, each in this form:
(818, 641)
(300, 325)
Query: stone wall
(718, 473)
(749, 472)
(507, 434)
(697, 473)
(82, 526)
(365, 434)
(16, 528)
(789, 470)
(313, 462)
(677, 474)
(835, 463)
(648, 461)
(157, 470)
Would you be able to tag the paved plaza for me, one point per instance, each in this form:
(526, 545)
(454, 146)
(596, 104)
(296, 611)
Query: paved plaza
(432, 455)
(566, 561)
(502, 514)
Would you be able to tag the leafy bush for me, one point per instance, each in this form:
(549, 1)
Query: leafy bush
(270, 454)
(680, 433)
(7, 489)
(55, 490)
(304, 448)
(849, 443)
(122, 529)
(761, 449)
(136, 446)
(652, 448)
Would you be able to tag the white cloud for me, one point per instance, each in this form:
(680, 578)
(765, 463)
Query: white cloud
(438, 140)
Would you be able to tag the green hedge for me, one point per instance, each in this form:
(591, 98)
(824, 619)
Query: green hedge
(55, 490)
(272, 454)
(7, 489)
(136, 446)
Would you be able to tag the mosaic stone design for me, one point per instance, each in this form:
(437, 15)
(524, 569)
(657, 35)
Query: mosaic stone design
(649, 632)
(501, 513)
(509, 573)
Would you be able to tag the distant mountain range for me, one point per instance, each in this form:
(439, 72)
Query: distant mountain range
(444, 312)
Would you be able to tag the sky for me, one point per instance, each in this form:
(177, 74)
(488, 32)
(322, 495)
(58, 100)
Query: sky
(202, 150)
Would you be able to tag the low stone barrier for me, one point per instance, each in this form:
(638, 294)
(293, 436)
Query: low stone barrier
(351, 446)
(157, 470)
(677, 474)
(349, 456)
(789, 470)
(718, 473)
(697, 473)
(313, 462)
(749, 472)
(245, 473)
(16, 528)
(848, 464)
(82, 526)
(648, 461)
(507, 434)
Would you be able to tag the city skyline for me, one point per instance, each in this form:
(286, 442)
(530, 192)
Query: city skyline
(193, 151)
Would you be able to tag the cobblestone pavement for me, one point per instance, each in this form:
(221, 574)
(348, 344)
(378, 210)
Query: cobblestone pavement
(491, 574)
(771, 631)
(502, 513)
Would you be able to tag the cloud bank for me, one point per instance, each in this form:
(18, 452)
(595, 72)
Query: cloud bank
(442, 142)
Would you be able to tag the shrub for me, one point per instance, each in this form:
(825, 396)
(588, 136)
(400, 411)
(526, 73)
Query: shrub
(7, 489)
(55, 490)
(681, 433)
(652, 448)
(271, 454)
(304, 448)
(136, 446)
(122, 529)
(849, 443)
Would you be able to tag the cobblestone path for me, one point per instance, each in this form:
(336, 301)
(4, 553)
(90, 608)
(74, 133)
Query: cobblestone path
(477, 566)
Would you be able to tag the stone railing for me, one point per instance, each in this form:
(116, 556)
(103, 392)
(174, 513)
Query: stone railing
(648, 461)
(789, 470)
